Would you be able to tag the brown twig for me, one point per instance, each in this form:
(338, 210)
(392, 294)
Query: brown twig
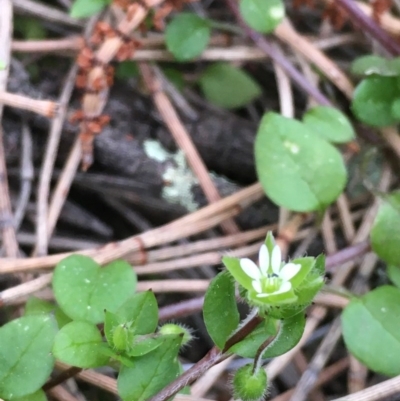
(45, 108)
(48, 164)
(61, 377)
(6, 218)
(45, 12)
(196, 222)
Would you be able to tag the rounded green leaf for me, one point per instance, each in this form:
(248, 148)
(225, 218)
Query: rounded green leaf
(263, 16)
(227, 86)
(385, 232)
(220, 312)
(372, 101)
(371, 329)
(80, 344)
(25, 355)
(330, 124)
(376, 65)
(297, 169)
(187, 35)
(84, 290)
(36, 396)
(87, 8)
(289, 334)
(394, 274)
(151, 372)
(141, 311)
(37, 306)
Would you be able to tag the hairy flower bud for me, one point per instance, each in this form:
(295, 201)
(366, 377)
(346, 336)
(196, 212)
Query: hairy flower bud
(171, 328)
(249, 385)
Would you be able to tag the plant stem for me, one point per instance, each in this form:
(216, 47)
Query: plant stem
(367, 24)
(61, 378)
(212, 357)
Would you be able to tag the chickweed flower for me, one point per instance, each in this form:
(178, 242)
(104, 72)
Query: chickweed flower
(271, 281)
(274, 286)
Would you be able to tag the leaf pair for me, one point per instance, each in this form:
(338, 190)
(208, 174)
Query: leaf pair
(222, 319)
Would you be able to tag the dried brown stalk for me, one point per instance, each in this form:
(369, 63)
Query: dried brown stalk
(45, 108)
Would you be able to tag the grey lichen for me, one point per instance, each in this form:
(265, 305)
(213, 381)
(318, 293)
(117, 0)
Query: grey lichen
(178, 178)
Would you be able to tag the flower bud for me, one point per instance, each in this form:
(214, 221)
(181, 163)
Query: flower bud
(120, 337)
(249, 385)
(171, 328)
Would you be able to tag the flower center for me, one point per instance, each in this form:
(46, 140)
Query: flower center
(270, 284)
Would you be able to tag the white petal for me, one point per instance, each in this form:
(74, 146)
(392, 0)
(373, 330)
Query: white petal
(256, 285)
(276, 259)
(263, 258)
(250, 268)
(285, 287)
(289, 271)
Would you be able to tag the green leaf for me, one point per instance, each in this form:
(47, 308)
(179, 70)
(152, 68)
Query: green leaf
(142, 345)
(61, 318)
(371, 329)
(80, 344)
(25, 355)
(376, 65)
(141, 311)
(187, 35)
(289, 334)
(263, 16)
(220, 312)
(297, 169)
(36, 306)
(2, 65)
(87, 8)
(248, 347)
(330, 124)
(395, 109)
(84, 290)
(151, 372)
(394, 274)
(125, 360)
(36, 396)
(385, 232)
(227, 86)
(372, 101)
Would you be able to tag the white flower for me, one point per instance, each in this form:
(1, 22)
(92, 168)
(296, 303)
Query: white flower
(272, 277)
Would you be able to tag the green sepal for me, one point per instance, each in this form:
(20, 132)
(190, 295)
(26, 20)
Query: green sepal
(233, 266)
(306, 264)
(283, 298)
